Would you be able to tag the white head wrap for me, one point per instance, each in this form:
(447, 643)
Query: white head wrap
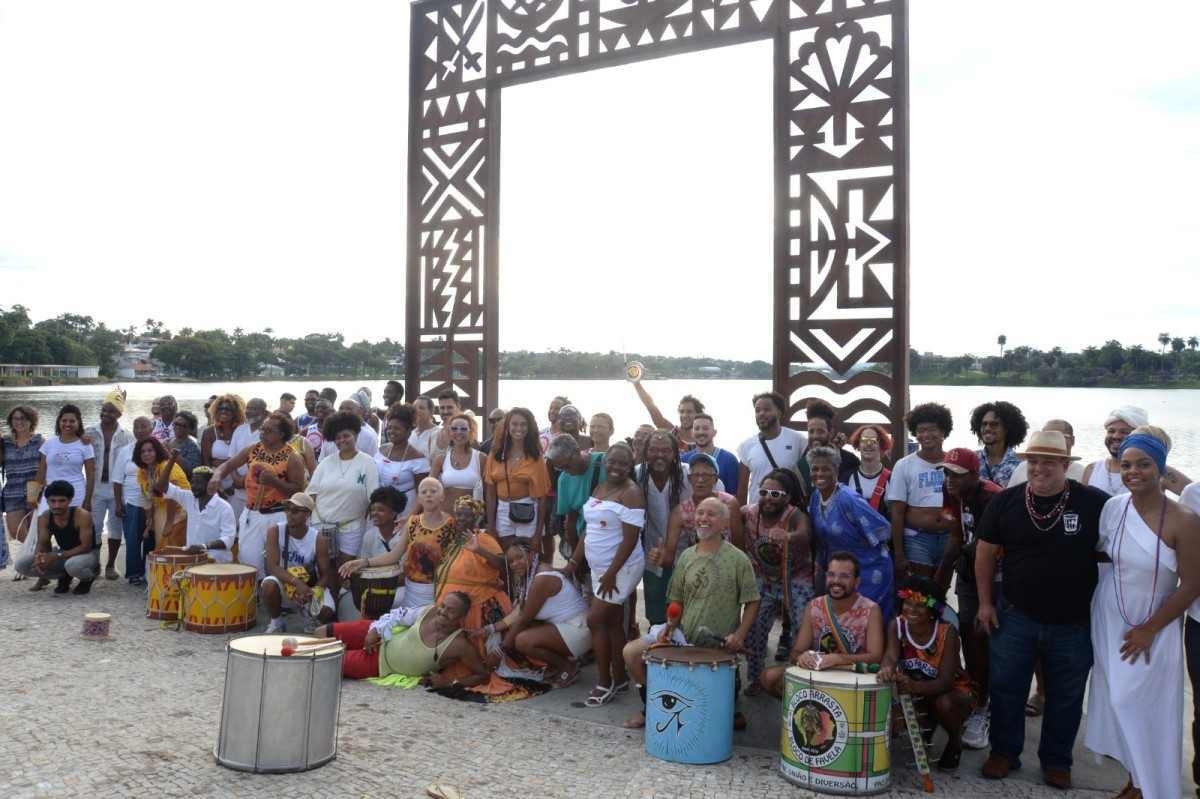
(1130, 414)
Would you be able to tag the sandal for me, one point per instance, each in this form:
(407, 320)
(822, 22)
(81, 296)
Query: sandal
(622, 687)
(567, 678)
(1035, 706)
(635, 722)
(601, 695)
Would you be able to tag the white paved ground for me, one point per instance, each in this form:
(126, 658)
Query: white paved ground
(138, 716)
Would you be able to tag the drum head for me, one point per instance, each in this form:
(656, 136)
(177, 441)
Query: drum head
(170, 553)
(97, 616)
(378, 572)
(689, 655)
(838, 677)
(222, 570)
(272, 645)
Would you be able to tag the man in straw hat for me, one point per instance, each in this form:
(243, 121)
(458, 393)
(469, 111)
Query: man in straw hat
(1049, 528)
(298, 565)
(107, 438)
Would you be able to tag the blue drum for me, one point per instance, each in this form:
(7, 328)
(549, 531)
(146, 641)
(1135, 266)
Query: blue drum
(689, 704)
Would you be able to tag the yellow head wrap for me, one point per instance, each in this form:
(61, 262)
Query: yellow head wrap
(116, 398)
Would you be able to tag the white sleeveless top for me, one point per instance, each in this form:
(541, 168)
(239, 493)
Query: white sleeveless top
(604, 533)
(467, 479)
(1105, 480)
(566, 605)
(300, 551)
(220, 449)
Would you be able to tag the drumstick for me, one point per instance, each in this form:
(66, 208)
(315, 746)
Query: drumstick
(917, 741)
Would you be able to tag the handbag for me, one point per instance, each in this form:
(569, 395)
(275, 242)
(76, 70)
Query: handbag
(520, 511)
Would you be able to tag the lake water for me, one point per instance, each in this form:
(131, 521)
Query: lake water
(727, 400)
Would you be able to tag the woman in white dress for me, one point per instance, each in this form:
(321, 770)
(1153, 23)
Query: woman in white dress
(615, 516)
(401, 465)
(1135, 706)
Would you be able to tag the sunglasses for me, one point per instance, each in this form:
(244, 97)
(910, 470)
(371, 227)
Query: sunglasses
(773, 493)
(457, 429)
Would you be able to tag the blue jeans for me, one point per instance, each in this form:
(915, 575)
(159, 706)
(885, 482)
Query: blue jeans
(926, 548)
(136, 548)
(1066, 654)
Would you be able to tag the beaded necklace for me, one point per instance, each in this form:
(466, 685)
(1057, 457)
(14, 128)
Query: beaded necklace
(1052, 515)
(1117, 564)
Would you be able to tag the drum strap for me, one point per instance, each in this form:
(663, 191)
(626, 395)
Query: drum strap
(839, 635)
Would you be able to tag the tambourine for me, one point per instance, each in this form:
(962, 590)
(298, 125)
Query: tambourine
(634, 370)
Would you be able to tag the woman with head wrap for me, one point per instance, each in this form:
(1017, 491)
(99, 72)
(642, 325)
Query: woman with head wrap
(1135, 706)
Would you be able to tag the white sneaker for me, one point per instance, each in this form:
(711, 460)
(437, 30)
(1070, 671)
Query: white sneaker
(976, 729)
(276, 626)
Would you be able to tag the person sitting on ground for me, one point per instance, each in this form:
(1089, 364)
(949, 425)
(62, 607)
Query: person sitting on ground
(551, 623)
(211, 527)
(922, 660)
(71, 528)
(841, 629)
(429, 643)
(714, 581)
(298, 561)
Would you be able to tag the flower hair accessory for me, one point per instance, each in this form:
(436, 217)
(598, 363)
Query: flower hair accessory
(918, 597)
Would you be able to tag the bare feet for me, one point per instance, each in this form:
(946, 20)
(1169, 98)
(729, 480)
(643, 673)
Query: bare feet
(635, 722)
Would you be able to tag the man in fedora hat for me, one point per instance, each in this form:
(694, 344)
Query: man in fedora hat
(1049, 528)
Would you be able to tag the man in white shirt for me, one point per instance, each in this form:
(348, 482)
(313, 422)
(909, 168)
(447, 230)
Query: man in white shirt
(1075, 469)
(425, 433)
(130, 505)
(367, 441)
(775, 446)
(210, 522)
(108, 438)
(245, 435)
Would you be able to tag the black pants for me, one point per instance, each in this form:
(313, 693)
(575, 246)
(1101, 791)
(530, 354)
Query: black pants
(1191, 645)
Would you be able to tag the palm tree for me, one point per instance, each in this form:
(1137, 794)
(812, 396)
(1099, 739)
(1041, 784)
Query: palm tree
(1164, 339)
(1193, 343)
(1002, 340)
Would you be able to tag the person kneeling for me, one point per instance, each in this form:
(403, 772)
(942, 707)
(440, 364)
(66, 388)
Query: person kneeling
(713, 580)
(78, 554)
(922, 661)
(298, 562)
(431, 643)
(841, 629)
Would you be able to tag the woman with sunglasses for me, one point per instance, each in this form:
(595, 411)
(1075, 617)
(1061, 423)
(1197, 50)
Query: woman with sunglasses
(460, 466)
(778, 539)
(843, 521)
(216, 442)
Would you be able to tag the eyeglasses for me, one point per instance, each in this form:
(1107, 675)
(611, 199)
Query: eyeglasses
(773, 493)
(458, 429)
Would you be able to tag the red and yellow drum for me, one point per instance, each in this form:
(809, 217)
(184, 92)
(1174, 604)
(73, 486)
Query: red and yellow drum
(218, 598)
(161, 565)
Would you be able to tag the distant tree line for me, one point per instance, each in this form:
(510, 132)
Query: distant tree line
(207, 354)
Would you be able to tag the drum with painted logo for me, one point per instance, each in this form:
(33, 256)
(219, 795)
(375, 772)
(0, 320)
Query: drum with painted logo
(689, 704)
(218, 598)
(279, 712)
(162, 601)
(835, 732)
(374, 589)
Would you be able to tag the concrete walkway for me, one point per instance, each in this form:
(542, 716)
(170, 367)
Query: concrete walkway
(138, 716)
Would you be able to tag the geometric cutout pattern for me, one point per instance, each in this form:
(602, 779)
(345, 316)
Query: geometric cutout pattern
(841, 299)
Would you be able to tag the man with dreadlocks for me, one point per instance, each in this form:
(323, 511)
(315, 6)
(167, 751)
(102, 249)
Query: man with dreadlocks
(663, 480)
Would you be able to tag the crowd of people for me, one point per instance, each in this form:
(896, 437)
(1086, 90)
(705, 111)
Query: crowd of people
(520, 556)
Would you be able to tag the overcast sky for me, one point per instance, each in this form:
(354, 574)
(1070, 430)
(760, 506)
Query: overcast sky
(166, 158)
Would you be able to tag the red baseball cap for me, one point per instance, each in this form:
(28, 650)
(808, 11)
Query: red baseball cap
(961, 460)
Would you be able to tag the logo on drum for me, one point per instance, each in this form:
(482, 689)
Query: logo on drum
(817, 728)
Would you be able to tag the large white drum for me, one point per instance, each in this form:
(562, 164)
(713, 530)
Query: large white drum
(279, 713)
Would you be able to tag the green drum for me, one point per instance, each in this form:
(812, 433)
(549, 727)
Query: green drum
(835, 732)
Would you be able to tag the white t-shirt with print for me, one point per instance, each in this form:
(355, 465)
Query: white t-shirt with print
(916, 482)
(787, 449)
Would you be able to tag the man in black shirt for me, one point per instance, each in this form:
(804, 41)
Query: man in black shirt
(1048, 529)
(78, 553)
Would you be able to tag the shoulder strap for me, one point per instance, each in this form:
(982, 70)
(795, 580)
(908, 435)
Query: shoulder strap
(763, 441)
(880, 487)
(595, 476)
(839, 635)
